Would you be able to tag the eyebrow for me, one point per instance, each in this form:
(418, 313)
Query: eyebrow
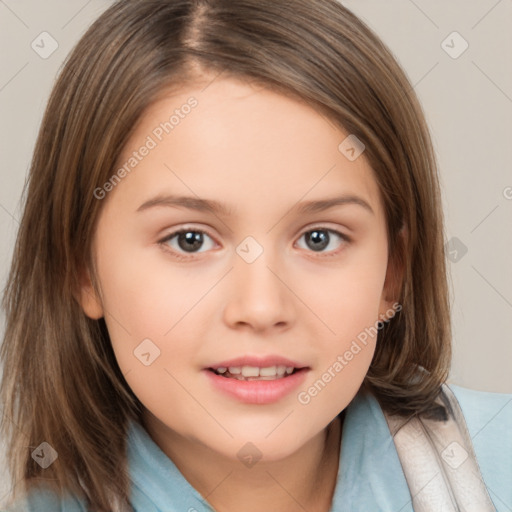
(212, 206)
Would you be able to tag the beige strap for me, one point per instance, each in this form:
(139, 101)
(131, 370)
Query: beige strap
(438, 460)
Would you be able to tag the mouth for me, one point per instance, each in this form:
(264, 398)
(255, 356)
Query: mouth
(249, 373)
(260, 385)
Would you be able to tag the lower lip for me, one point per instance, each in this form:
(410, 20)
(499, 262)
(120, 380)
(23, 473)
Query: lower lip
(258, 391)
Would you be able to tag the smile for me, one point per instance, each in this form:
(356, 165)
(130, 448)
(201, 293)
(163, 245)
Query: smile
(255, 373)
(256, 389)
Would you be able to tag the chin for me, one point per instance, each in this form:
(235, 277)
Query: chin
(267, 444)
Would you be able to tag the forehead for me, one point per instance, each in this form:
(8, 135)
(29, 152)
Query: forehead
(243, 144)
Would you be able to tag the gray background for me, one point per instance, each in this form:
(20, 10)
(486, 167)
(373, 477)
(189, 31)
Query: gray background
(468, 104)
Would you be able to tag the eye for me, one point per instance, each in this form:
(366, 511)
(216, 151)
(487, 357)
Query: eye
(188, 241)
(185, 240)
(319, 238)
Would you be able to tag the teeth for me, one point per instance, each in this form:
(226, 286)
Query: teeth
(251, 371)
(242, 372)
(270, 371)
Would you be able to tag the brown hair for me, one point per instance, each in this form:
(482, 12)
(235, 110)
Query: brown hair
(61, 383)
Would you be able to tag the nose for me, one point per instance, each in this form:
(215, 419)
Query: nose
(258, 296)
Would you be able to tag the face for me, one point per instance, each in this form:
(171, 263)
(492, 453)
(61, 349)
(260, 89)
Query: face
(270, 274)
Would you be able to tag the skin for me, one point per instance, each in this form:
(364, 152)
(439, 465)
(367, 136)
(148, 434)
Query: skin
(260, 153)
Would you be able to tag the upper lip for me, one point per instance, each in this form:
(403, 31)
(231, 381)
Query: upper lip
(257, 361)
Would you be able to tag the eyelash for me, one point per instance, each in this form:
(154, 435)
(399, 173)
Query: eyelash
(181, 257)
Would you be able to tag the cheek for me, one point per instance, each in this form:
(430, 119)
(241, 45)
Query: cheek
(146, 299)
(346, 299)
(347, 347)
(347, 335)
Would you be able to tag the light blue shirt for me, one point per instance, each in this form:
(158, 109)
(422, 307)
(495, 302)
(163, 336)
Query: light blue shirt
(370, 477)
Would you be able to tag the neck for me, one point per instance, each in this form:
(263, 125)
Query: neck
(304, 480)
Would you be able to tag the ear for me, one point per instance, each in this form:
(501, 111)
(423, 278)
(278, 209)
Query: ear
(394, 275)
(88, 298)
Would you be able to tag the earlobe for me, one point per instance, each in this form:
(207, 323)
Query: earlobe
(88, 298)
(385, 310)
(388, 293)
(394, 275)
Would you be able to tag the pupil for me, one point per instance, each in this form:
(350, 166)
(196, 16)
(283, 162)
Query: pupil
(320, 239)
(192, 240)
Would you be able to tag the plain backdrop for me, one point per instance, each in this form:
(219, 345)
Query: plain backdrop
(464, 81)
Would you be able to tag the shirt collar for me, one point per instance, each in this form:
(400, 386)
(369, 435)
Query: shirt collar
(370, 476)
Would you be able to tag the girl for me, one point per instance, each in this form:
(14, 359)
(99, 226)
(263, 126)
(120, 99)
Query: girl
(229, 289)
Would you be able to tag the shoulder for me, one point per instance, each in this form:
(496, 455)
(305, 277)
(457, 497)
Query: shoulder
(488, 418)
(42, 499)
(487, 414)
